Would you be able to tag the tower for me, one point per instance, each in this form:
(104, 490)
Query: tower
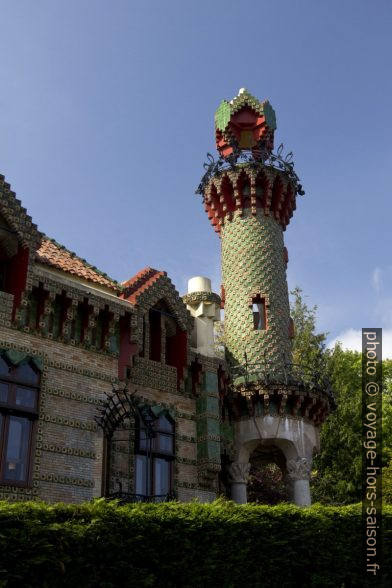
(249, 195)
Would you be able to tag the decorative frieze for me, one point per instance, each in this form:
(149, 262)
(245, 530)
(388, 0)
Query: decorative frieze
(75, 424)
(66, 480)
(63, 450)
(72, 396)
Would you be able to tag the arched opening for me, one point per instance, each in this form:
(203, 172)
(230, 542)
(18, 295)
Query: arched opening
(267, 484)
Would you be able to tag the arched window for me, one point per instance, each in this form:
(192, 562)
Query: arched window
(154, 458)
(19, 387)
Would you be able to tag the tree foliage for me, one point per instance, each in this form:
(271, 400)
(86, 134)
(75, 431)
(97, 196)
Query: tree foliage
(308, 346)
(338, 467)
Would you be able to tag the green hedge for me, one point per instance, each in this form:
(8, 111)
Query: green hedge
(192, 545)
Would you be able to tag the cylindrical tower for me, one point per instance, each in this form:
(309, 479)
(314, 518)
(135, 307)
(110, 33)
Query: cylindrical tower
(257, 315)
(249, 195)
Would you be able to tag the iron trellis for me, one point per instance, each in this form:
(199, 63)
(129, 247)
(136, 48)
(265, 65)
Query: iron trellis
(120, 405)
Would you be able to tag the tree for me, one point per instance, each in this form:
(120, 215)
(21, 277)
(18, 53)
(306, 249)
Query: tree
(338, 475)
(308, 346)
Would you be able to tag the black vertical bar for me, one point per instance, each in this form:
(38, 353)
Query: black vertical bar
(372, 456)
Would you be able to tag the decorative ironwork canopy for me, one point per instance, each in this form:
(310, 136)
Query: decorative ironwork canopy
(263, 157)
(120, 405)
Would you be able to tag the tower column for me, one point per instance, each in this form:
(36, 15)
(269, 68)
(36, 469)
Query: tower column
(238, 477)
(257, 312)
(298, 472)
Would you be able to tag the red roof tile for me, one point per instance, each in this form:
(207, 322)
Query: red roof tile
(55, 255)
(134, 287)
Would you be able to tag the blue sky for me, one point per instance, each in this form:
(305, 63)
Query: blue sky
(106, 114)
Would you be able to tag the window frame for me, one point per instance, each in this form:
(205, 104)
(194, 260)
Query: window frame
(259, 301)
(156, 453)
(10, 409)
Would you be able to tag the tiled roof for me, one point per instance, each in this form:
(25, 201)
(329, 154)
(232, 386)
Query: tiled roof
(17, 218)
(134, 287)
(56, 255)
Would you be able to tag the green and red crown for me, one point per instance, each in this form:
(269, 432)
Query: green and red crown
(244, 124)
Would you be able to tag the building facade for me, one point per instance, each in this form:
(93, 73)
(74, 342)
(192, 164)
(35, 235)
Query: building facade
(110, 389)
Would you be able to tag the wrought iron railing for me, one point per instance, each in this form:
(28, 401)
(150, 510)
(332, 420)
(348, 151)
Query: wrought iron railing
(261, 156)
(126, 497)
(265, 374)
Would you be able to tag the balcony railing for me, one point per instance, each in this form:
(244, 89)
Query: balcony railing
(127, 497)
(248, 376)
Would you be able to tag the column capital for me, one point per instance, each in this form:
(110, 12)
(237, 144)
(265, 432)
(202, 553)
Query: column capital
(239, 472)
(298, 469)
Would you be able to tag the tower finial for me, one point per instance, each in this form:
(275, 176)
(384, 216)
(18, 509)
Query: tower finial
(244, 124)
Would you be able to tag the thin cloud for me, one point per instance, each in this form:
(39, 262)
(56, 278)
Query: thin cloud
(376, 279)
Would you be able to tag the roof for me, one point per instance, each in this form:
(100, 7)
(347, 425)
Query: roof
(148, 287)
(55, 255)
(140, 282)
(227, 108)
(17, 218)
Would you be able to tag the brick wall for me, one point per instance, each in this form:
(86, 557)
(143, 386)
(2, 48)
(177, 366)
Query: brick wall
(68, 448)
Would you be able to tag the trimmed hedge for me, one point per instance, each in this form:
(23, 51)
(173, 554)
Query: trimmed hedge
(192, 545)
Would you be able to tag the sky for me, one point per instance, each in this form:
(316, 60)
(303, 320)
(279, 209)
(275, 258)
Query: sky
(106, 116)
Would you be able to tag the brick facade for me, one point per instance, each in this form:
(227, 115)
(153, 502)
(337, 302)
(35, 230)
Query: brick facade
(90, 335)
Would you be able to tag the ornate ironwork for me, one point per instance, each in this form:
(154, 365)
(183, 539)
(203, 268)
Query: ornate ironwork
(127, 497)
(250, 377)
(257, 158)
(120, 405)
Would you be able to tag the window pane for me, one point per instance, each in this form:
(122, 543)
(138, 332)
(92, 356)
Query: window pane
(25, 373)
(161, 476)
(25, 397)
(4, 367)
(3, 392)
(165, 443)
(258, 315)
(164, 424)
(17, 453)
(143, 441)
(141, 475)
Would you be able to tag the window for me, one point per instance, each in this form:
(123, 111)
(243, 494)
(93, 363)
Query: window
(19, 387)
(259, 315)
(3, 273)
(154, 458)
(155, 334)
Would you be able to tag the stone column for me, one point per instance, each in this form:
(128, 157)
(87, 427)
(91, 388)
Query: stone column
(238, 477)
(298, 471)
